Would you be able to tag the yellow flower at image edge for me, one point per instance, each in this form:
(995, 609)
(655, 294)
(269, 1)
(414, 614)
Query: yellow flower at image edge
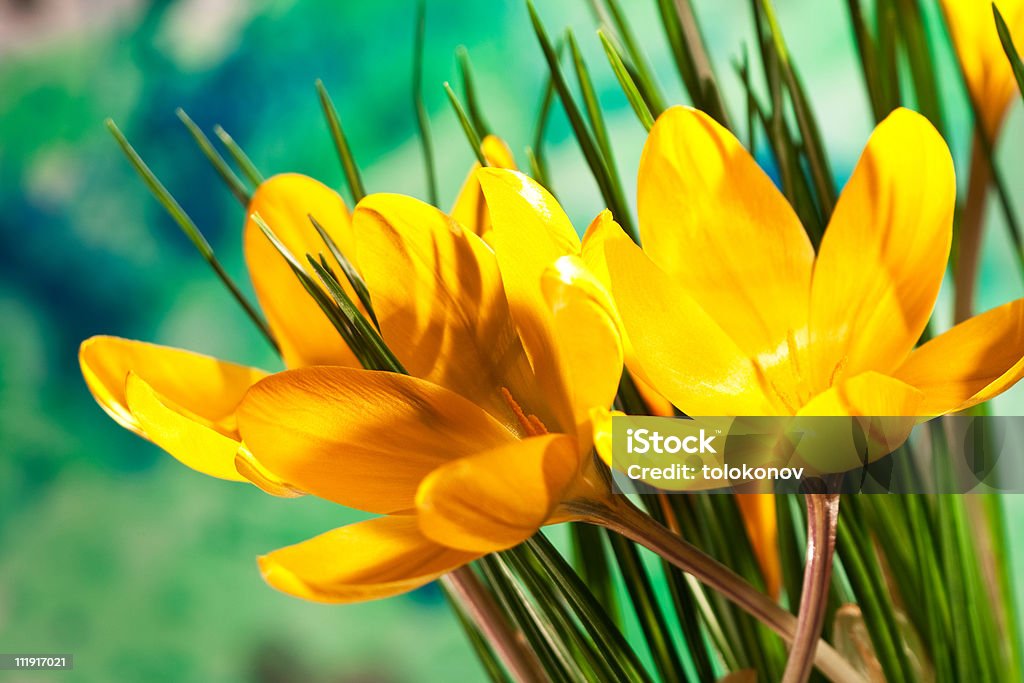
(473, 452)
(986, 68)
(730, 312)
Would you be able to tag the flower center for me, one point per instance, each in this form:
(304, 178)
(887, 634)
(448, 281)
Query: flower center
(530, 424)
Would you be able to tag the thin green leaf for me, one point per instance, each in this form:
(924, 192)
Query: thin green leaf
(598, 165)
(467, 125)
(538, 631)
(814, 150)
(1009, 48)
(629, 89)
(492, 667)
(422, 119)
(867, 52)
(190, 229)
(590, 661)
(590, 103)
(691, 57)
(240, 158)
(348, 162)
(922, 63)
(351, 274)
(469, 89)
(591, 614)
(647, 609)
(216, 160)
(639, 68)
(888, 37)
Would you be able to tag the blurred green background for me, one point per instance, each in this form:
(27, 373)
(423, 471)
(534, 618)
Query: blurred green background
(109, 549)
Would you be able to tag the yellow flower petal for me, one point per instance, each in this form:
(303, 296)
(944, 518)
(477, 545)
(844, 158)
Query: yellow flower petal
(192, 384)
(285, 202)
(888, 408)
(360, 438)
(530, 233)
(681, 351)
(192, 443)
(601, 423)
(986, 68)
(438, 295)
(978, 359)
(584, 322)
(470, 210)
(498, 498)
(365, 561)
(884, 253)
(713, 220)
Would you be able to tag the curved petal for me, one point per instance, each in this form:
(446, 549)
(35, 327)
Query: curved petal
(498, 498)
(680, 350)
(194, 385)
(438, 295)
(713, 220)
(360, 438)
(530, 233)
(365, 561)
(978, 359)
(584, 322)
(880, 408)
(884, 253)
(191, 442)
(986, 68)
(470, 209)
(285, 202)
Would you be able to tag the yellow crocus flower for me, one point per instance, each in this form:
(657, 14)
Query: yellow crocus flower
(730, 312)
(491, 404)
(986, 69)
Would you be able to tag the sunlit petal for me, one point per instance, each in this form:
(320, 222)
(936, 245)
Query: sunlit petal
(681, 351)
(497, 498)
(713, 220)
(884, 253)
(193, 384)
(978, 359)
(364, 561)
(438, 295)
(530, 233)
(285, 202)
(360, 438)
(470, 209)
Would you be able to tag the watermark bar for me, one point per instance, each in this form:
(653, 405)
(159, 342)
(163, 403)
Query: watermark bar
(38, 662)
(797, 454)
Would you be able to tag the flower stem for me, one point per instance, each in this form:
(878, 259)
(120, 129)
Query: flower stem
(618, 514)
(481, 608)
(969, 240)
(822, 519)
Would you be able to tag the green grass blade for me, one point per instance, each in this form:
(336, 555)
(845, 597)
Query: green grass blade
(422, 119)
(240, 158)
(691, 57)
(590, 611)
(492, 667)
(348, 162)
(626, 82)
(190, 229)
(814, 150)
(641, 72)
(1009, 48)
(923, 71)
(615, 200)
(216, 160)
(351, 274)
(648, 611)
(473, 108)
(467, 125)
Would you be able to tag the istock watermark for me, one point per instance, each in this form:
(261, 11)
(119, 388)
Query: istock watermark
(863, 454)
